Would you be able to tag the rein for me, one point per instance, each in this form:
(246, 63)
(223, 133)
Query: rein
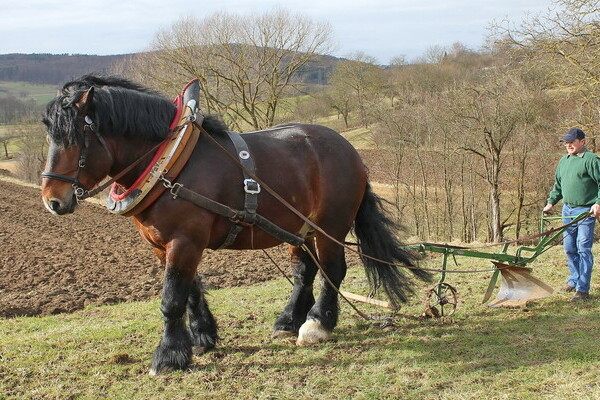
(81, 193)
(98, 189)
(344, 245)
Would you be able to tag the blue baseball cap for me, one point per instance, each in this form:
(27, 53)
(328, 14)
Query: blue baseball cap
(573, 134)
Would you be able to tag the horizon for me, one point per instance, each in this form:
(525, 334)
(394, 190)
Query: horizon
(376, 28)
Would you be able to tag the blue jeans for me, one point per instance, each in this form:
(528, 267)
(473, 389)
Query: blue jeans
(577, 241)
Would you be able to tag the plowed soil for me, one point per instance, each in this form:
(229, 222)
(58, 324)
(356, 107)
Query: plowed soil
(51, 264)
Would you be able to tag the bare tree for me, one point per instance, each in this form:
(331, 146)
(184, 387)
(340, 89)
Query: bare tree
(526, 150)
(4, 140)
(563, 43)
(357, 80)
(494, 115)
(342, 101)
(32, 149)
(434, 54)
(245, 64)
(392, 134)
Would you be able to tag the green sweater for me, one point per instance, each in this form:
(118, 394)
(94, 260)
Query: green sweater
(577, 180)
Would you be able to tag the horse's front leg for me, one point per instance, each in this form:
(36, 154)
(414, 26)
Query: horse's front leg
(175, 349)
(202, 323)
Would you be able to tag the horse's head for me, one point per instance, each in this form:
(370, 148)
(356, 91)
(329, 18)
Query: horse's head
(78, 157)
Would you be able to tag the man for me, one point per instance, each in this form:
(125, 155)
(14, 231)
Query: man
(577, 183)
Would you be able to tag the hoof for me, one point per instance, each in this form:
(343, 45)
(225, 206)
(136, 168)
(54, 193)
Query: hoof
(312, 332)
(171, 358)
(161, 371)
(283, 334)
(204, 340)
(199, 350)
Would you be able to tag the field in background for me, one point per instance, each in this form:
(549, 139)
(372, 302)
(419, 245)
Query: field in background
(41, 94)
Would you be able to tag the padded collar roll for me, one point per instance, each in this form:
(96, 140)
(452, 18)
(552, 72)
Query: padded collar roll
(168, 161)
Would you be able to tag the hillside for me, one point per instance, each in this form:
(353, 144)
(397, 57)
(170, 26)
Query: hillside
(52, 69)
(56, 69)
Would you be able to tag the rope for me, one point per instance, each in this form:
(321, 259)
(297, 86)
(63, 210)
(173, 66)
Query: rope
(320, 267)
(342, 244)
(278, 267)
(324, 274)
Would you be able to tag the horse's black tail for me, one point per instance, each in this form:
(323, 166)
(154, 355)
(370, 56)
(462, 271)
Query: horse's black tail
(375, 232)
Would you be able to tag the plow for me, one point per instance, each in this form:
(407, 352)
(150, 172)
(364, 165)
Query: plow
(510, 265)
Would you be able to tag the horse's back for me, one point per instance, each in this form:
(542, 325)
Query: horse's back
(315, 148)
(313, 165)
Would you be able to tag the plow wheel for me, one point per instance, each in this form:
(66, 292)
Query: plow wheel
(441, 301)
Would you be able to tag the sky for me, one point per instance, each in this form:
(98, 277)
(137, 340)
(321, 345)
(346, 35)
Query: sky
(379, 28)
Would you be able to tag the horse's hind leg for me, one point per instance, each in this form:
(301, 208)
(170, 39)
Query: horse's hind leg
(302, 299)
(323, 316)
(203, 326)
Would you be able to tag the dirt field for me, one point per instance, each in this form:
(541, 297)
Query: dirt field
(52, 264)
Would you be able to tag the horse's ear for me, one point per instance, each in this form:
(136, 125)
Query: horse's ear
(85, 101)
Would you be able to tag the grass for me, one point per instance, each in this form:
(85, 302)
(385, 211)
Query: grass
(27, 90)
(361, 138)
(548, 350)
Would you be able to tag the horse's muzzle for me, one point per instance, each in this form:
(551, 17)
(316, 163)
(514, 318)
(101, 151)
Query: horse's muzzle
(61, 206)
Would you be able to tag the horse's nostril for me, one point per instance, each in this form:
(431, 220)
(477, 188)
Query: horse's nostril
(54, 205)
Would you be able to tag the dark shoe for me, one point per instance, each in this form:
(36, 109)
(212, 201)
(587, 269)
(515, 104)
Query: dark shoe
(567, 288)
(579, 296)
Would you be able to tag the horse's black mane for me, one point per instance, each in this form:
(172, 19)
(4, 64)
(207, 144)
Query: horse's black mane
(119, 107)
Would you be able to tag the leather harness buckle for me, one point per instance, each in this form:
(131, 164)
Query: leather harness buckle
(251, 186)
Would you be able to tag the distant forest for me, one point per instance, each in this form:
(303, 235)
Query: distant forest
(53, 69)
(56, 69)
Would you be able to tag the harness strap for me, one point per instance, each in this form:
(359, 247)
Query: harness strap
(60, 177)
(251, 187)
(179, 191)
(235, 229)
(251, 190)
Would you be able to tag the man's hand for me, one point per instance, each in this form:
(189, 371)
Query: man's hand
(549, 207)
(595, 211)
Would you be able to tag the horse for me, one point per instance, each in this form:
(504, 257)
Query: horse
(110, 123)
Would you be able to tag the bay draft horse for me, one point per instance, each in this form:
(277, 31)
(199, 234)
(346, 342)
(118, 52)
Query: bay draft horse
(312, 167)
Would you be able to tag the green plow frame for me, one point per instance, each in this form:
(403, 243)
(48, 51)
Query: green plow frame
(518, 285)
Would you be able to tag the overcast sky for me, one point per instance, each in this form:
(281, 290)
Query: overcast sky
(380, 28)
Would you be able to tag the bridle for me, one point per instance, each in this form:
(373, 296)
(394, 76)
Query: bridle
(80, 191)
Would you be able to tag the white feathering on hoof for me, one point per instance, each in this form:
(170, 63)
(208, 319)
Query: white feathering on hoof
(154, 372)
(312, 332)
